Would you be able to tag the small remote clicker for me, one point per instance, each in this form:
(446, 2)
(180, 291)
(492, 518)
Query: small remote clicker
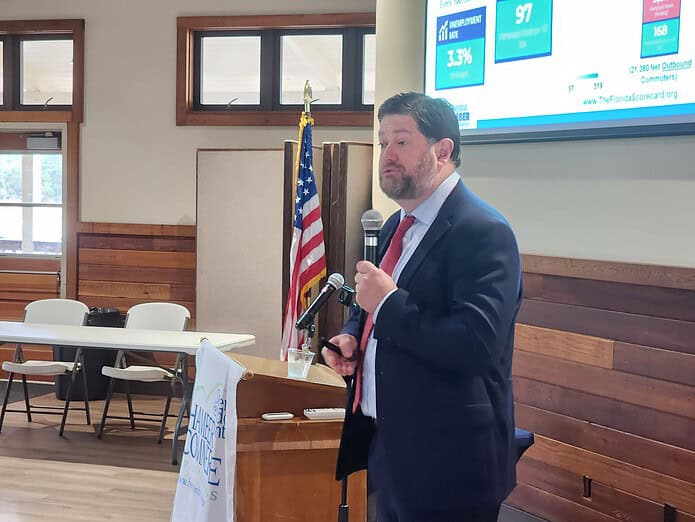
(281, 415)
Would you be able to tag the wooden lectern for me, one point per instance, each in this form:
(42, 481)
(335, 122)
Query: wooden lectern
(286, 469)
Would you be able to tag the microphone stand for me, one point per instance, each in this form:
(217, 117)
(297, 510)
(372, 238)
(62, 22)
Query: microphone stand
(343, 508)
(345, 297)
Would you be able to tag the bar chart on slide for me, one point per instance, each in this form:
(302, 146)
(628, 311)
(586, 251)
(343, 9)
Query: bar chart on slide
(461, 49)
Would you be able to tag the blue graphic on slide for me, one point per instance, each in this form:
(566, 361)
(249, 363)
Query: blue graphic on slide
(461, 49)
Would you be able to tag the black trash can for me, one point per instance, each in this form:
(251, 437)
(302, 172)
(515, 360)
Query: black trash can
(94, 359)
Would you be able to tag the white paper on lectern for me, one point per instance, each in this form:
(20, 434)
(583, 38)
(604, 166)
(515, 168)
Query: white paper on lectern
(205, 489)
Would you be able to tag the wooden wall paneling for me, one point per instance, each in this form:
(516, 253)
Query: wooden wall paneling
(136, 229)
(29, 282)
(564, 345)
(631, 328)
(671, 303)
(19, 288)
(627, 477)
(123, 303)
(30, 264)
(638, 420)
(174, 276)
(137, 258)
(634, 389)
(608, 500)
(653, 362)
(656, 456)
(614, 271)
(120, 242)
(159, 292)
(552, 507)
(26, 297)
(122, 265)
(12, 310)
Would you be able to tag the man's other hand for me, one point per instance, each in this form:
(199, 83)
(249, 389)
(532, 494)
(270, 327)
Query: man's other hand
(348, 347)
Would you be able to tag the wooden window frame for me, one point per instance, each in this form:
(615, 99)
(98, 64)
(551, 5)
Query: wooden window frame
(186, 113)
(73, 118)
(42, 28)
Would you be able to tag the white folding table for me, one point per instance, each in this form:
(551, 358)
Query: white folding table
(131, 339)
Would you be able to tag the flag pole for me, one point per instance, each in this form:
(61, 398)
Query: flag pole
(343, 508)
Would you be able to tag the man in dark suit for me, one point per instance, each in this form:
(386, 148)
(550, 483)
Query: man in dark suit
(433, 416)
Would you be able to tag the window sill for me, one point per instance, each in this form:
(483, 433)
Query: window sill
(36, 116)
(274, 118)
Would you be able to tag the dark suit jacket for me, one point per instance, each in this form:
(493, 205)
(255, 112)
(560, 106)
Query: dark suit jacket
(443, 363)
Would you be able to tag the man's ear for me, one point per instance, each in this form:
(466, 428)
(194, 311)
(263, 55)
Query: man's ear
(443, 149)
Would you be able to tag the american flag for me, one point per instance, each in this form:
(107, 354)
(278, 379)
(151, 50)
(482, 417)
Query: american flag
(307, 252)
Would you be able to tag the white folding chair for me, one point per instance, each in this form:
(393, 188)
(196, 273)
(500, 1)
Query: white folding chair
(49, 311)
(147, 316)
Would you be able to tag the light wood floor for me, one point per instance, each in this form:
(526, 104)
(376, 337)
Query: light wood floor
(125, 476)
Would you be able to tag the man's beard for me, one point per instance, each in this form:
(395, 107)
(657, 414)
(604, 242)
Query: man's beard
(410, 185)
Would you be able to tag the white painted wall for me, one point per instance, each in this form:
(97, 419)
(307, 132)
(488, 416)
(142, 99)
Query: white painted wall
(629, 200)
(137, 166)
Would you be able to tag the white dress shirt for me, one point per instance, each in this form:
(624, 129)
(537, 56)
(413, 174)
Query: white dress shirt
(425, 215)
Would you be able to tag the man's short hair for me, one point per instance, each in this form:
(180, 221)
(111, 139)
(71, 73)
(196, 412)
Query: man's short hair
(435, 117)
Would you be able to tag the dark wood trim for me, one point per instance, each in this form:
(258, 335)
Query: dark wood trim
(672, 303)
(656, 456)
(668, 397)
(617, 272)
(136, 229)
(653, 362)
(36, 116)
(41, 26)
(263, 118)
(293, 21)
(78, 52)
(72, 209)
(609, 501)
(644, 330)
(184, 80)
(630, 418)
(627, 477)
(553, 507)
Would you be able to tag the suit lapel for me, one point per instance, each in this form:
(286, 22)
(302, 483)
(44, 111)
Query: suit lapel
(437, 230)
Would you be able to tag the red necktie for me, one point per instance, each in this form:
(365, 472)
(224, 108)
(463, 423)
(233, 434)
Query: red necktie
(388, 263)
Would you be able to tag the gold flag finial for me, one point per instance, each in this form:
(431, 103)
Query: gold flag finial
(307, 97)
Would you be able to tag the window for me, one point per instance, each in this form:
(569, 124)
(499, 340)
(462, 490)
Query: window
(318, 57)
(230, 70)
(251, 70)
(45, 72)
(41, 69)
(31, 203)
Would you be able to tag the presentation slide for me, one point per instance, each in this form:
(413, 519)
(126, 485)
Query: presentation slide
(512, 66)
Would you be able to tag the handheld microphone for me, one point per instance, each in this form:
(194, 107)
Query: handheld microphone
(371, 224)
(334, 282)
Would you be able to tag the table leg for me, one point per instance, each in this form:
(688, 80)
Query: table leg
(182, 366)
